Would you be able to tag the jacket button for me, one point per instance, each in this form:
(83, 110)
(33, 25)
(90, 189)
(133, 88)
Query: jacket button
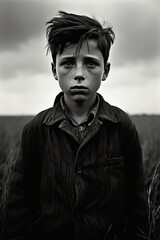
(79, 170)
(81, 128)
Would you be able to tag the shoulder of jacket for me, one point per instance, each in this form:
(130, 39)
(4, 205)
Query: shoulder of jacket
(123, 117)
(37, 120)
(112, 113)
(128, 129)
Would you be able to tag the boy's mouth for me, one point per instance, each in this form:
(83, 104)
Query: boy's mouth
(79, 89)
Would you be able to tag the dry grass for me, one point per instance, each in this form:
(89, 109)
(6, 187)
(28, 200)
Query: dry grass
(154, 204)
(8, 155)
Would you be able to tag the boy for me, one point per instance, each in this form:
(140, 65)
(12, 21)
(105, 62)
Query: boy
(79, 174)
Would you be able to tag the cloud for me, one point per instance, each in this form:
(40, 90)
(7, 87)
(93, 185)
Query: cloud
(22, 33)
(29, 60)
(136, 23)
(134, 75)
(26, 95)
(21, 21)
(137, 27)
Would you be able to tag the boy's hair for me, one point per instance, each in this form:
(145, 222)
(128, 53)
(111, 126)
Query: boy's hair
(70, 28)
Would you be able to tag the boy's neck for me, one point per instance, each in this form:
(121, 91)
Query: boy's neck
(79, 110)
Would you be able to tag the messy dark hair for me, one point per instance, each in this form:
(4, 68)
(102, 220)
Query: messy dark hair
(70, 28)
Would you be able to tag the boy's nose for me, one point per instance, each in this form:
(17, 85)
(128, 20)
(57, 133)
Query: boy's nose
(79, 75)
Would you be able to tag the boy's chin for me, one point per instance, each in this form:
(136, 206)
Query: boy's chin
(79, 98)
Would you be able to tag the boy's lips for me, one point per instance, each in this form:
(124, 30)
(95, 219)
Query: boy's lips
(79, 89)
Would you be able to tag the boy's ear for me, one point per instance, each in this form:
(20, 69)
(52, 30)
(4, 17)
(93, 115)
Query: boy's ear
(106, 71)
(54, 71)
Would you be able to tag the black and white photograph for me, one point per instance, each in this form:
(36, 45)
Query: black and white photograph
(79, 119)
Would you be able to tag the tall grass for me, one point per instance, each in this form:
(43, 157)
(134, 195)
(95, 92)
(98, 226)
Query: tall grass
(8, 156)
(151, 158)
(154, 204)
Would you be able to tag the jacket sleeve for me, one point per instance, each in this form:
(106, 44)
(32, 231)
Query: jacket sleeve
(21, 206)
(136, 205)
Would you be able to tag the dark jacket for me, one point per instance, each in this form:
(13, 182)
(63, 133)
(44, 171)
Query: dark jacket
(65, 190)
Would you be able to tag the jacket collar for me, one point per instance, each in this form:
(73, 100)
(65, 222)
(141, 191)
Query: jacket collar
(105, 112)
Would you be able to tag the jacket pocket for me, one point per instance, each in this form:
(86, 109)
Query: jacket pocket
(111, 178)
(116, 162)
(110, 170)
(104, 183)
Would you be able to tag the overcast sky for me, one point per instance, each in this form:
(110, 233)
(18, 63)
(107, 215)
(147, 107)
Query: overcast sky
(26, 82)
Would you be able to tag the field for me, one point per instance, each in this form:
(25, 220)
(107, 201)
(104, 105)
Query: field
(148, 127)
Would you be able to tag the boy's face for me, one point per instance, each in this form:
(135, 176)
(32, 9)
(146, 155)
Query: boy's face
(80, 74)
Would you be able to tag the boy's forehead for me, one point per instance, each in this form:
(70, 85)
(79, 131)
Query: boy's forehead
(87, 47)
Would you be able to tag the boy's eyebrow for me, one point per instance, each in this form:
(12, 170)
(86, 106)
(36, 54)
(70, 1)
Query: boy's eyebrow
(71, 57)
(90, 57)
(67, 57)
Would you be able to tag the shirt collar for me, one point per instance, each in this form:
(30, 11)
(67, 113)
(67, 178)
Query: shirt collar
(103, 110)
(91, 115)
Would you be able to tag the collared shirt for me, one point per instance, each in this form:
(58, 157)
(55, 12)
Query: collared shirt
(81, 130)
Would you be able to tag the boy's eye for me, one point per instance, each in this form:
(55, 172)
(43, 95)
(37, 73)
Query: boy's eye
(91, 64)
(68, 64)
